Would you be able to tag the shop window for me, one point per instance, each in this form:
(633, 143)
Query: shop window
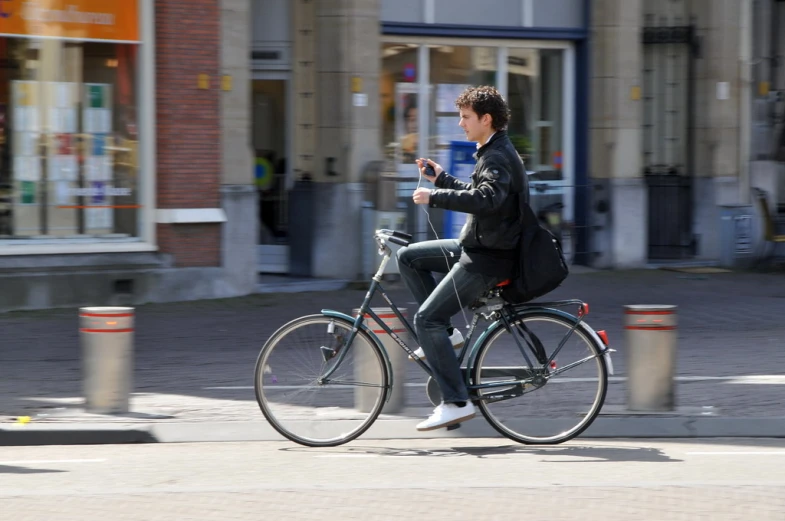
(69, 150)
(399, 102)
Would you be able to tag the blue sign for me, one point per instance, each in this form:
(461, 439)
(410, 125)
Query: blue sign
(461, 166)
(409, 72)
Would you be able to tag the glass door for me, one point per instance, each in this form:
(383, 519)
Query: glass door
(540, 128)
(453, 68)
(421, 77)
(269, 118)
(270, 131)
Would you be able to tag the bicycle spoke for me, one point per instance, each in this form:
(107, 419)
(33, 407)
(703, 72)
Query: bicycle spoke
(348, 383)
(566, 368)
(296, 399)
(557, 402)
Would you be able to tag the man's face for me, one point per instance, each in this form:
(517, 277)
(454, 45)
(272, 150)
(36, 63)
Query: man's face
(473, 126)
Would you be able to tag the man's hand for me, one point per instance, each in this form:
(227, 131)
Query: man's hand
(422, 163)
(422, 196)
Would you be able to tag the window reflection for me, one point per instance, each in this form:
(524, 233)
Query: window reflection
(399, 103)
(535, 92)
(453, 69)
(68, 131)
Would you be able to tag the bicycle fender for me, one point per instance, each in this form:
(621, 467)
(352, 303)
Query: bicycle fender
(606, 352)
(343, 316)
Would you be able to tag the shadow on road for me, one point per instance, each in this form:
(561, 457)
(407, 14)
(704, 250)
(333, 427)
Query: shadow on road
(7, 469)
(549, 454)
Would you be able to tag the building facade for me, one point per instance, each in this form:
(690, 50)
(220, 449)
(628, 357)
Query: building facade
(645, 121)
(174, 150)
(360, 88)
(126, 172)
(686, 105)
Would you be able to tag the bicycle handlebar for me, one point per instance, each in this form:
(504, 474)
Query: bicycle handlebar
(395, 240)
(402, 235)
(396, 233)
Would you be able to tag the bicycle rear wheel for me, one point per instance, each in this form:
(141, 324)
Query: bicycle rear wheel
(565, 403)
(310, 413)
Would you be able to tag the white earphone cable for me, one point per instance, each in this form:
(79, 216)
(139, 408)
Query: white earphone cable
(444, 252)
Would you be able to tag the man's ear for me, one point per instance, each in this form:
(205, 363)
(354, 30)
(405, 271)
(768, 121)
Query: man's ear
(487, 118)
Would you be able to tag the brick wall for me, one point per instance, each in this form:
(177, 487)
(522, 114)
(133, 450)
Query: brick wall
(191, 245)
(188, 144)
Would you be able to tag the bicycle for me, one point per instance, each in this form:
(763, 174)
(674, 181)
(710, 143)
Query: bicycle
(508, 360)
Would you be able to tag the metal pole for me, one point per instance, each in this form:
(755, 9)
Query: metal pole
(651, 336)
(106, 335)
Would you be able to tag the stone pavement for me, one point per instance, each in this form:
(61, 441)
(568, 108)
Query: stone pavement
(390, 480)
(194, 361)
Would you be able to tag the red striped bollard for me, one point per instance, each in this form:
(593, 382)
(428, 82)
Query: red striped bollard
(107, 337)
(364, 396)
(651, 336)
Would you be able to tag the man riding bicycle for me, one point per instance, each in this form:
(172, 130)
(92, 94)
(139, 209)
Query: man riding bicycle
(483, 256)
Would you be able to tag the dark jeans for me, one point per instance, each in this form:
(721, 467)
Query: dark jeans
(439, 303)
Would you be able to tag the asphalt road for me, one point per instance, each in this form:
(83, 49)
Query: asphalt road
(397, 479)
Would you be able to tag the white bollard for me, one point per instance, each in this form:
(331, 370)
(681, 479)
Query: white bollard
(364, 396)
(651, 337)
(107, 336)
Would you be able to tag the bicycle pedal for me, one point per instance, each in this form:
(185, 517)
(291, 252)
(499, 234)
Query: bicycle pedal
(453, 426)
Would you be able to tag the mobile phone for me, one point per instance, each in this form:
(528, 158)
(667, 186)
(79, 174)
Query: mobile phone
(429, 171)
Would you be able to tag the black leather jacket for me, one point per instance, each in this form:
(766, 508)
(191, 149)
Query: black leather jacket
(491, 199)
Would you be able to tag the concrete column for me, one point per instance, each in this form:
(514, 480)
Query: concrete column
(347, 131)
(238, 193)
(304, 88)
(722, 97)
(619, 203)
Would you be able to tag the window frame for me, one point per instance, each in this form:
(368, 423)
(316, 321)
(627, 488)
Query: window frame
(565, 186)
(147, 240)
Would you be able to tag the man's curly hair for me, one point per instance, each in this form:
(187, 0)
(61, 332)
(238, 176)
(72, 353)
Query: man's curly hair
(485, 100)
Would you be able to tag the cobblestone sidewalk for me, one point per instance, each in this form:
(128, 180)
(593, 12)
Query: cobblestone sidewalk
(194, 361)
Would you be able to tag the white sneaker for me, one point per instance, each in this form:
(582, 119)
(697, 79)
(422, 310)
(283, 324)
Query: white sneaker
(447, 414)
(457, 342)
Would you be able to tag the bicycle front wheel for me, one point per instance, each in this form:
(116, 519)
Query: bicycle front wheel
(293, 396)
(560, 406)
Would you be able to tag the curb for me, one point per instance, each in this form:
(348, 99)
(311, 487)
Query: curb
(73, 434)
(383, 429)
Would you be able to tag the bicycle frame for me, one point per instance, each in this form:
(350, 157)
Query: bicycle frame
(504, 317)
(537, 374)
(365, 310)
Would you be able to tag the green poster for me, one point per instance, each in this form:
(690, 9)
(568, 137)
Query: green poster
(28, 192)
(96, 94)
